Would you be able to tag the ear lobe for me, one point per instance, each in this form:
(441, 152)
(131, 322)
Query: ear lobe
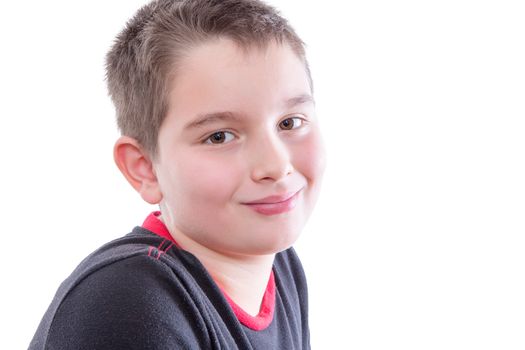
(137, 168)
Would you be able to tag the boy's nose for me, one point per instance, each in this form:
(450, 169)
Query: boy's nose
(270, 160)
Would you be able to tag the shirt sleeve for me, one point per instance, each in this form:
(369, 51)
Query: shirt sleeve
(134, 303)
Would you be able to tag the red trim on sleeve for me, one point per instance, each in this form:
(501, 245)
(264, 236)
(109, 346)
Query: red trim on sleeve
(257, 323)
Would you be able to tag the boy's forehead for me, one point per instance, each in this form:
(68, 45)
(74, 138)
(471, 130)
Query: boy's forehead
(223, 55)
(224, 48)
(220, 75)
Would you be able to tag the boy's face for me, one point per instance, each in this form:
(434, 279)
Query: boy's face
(209, 171)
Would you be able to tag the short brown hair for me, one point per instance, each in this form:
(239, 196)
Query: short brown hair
(143, 60)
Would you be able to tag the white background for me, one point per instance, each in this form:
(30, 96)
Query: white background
(417, 241)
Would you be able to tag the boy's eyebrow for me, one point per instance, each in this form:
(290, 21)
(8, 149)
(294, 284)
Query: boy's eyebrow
(208, 118)
(297, 100)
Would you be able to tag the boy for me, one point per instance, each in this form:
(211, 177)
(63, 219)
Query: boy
(214, 103)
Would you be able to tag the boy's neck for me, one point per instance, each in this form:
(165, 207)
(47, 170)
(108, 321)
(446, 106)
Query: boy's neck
(243, 278)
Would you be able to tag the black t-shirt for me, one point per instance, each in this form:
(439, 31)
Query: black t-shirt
(142, 291)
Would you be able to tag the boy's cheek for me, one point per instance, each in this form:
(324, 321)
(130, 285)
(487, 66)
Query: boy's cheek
(209, 180)
(312, 157)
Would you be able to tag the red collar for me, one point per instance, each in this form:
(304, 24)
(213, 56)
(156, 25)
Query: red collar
(265, 316)
(155, 225)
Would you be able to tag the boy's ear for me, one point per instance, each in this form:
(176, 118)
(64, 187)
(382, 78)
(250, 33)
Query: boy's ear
(137, 168)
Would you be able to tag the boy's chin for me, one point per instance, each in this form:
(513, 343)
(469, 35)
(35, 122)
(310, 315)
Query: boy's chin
(268, 246)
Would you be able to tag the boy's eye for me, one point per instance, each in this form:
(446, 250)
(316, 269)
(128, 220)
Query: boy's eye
(291, 123)
(218, 137)
(221, 137)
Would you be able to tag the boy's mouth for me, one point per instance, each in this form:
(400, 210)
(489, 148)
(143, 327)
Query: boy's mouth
(276, 204)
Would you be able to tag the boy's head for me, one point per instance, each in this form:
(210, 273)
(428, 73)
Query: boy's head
(144, 62)
(214, 101)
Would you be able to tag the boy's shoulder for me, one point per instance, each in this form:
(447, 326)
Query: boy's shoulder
(132, 291)
(119, 297)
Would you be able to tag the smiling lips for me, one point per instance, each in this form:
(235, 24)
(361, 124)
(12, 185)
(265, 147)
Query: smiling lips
(275, 204)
